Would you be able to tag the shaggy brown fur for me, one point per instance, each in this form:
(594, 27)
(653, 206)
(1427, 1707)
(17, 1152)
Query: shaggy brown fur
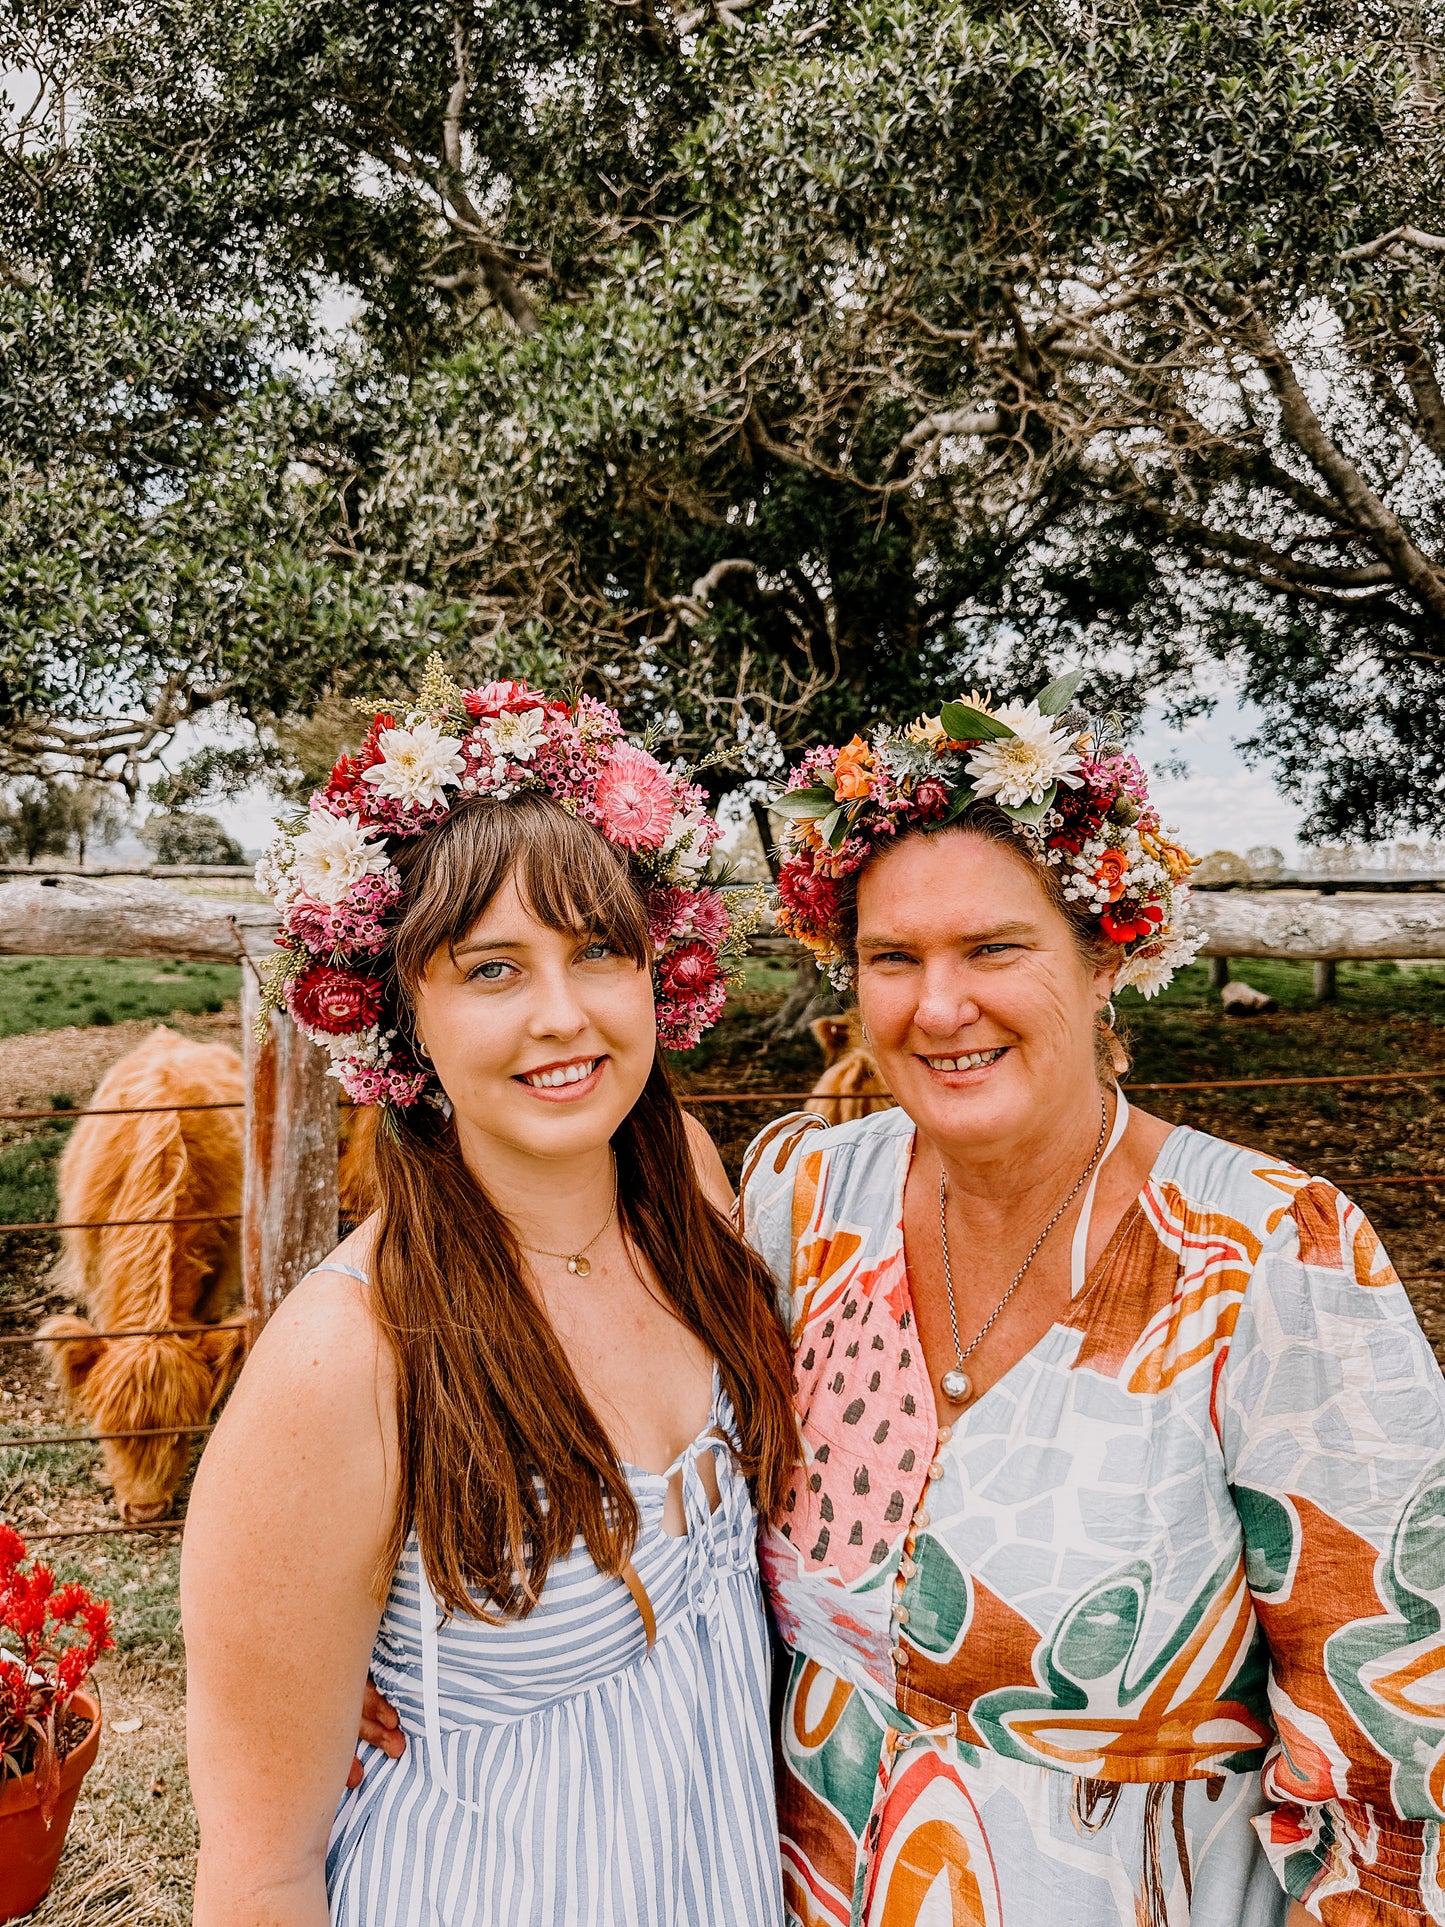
(851, 1079)
(169, 1164)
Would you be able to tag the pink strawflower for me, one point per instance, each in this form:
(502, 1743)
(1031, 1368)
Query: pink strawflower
(710, 919)
(669, 914)
(634, 799)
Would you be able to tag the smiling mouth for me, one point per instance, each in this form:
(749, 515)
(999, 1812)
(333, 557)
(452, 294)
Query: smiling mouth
(553, 1077)
(974, 1060)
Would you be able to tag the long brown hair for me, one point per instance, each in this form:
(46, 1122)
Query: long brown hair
(503, 1462)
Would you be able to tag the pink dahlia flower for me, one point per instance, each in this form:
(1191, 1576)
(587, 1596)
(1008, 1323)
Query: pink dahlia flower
(634, 799)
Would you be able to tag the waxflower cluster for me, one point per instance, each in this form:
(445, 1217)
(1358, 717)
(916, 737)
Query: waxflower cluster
(1082, 807)
(50, 1638)
(336, 887)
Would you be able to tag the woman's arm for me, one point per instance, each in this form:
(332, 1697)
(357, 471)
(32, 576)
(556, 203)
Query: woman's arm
(286, 1523)
(1332, 1416)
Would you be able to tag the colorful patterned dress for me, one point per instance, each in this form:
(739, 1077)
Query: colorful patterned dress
(1154, 1633)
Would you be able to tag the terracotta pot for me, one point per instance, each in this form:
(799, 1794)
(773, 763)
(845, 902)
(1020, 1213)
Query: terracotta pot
(30, 1851)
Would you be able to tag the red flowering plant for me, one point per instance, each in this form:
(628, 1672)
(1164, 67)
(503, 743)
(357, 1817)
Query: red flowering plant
(337, 888)
(50, 1638)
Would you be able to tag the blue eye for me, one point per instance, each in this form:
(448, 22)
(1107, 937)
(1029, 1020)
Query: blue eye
(491, 971)
(596, 951)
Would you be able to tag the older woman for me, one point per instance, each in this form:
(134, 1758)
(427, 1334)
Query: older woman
(1113, 1579)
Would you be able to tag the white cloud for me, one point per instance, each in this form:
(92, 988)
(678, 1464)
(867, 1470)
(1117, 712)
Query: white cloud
(1222, 804)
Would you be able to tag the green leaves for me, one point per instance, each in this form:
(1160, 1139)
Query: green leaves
(1055, 699)
(861, 369)
(966, 725)
(803, 803)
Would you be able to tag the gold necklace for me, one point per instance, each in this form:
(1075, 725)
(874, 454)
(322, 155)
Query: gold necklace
(577, 1262)
(956, 1384)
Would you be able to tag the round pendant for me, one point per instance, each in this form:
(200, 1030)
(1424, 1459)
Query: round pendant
(957, 1386)
(579, 1266)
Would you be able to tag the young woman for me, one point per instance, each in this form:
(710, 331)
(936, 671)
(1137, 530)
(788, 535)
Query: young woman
(506, 1448)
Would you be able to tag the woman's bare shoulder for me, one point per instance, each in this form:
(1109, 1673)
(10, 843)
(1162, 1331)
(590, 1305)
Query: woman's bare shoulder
(323, 1347)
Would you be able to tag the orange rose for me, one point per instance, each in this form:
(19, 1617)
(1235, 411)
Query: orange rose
(854, 764)
(1112, 866)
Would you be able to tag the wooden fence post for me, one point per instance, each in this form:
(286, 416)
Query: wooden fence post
(288, 1206)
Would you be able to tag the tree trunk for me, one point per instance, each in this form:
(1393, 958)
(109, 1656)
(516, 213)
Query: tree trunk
(811, 996)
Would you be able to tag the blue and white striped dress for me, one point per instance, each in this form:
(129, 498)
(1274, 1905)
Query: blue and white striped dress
(558, 1771)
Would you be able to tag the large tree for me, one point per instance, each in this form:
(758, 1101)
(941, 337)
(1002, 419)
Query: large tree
(764, 364)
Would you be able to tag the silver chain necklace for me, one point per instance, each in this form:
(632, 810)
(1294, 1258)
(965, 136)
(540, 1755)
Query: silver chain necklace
(956, 1383)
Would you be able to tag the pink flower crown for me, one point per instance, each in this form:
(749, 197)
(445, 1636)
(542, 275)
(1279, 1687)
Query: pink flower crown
(332, 877)
(1081, 808)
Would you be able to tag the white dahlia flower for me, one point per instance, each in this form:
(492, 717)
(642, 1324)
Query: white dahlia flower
(517, 735)
(1022, 768)
(418, 764)
(332, 853)
(1151, 968)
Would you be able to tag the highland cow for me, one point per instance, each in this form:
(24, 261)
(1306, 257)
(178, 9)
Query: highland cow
(851, 1080)
(158, 1164)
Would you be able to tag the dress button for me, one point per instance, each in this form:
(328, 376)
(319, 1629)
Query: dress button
(921, 1520)
(900, 1615)
(900, 1655)
(935, 1471)
(906, 1568)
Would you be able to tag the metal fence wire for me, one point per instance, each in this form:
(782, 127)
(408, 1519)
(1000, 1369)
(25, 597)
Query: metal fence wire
(686, 1098)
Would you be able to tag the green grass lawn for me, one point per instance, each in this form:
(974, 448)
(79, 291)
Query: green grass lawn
(44, 993)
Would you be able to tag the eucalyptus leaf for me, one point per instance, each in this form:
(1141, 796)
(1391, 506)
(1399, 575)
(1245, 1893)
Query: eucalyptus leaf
(834, 828)
(1059, 694)
(967, 725)
(802, 803)
(1032, 812)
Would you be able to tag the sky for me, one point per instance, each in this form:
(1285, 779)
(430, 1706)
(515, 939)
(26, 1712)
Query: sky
(1220, 805)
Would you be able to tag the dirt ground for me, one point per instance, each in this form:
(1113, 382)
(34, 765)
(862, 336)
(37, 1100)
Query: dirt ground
(128, 1859)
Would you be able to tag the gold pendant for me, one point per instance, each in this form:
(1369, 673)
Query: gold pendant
(579, 1266)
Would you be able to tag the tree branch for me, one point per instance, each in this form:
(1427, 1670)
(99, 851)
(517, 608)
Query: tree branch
(1406, 236)
(961, 421)
(1373, 520)
(1429, 402)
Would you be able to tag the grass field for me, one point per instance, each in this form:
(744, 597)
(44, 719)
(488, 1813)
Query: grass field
(45, 993)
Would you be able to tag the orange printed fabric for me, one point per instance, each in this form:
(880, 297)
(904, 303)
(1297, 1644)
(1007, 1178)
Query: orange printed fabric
(1157, 1633)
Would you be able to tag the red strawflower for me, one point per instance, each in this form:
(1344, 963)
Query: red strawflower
(334, 1001)
(688, 971)
(930, 799)
(812, 899)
